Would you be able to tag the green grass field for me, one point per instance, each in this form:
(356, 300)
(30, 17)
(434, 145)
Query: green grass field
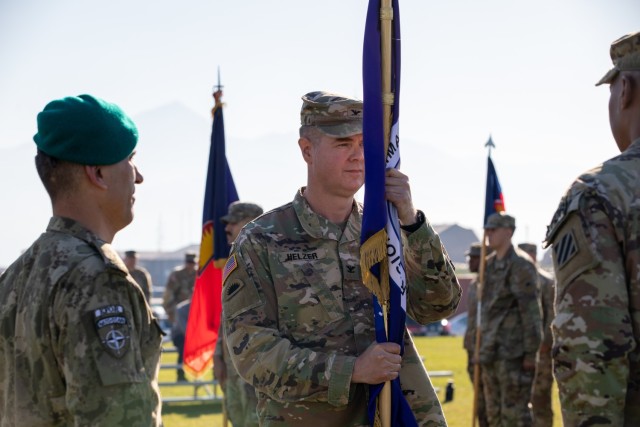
(440, 353)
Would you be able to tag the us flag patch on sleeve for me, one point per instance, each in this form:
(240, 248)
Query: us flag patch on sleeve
(229, 266)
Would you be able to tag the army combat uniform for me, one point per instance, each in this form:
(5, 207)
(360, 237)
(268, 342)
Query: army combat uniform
(541, 392)
(179, 288)
(297, 316)
(78, 343)
(470, 345)
(239, 396)
(510, 333)
(596, 253)
(143, 279)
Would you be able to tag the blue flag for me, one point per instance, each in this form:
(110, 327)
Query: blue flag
(206, 303)
(494, 200)
(381, 252)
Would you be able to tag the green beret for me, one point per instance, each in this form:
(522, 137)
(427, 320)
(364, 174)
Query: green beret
(85, 130)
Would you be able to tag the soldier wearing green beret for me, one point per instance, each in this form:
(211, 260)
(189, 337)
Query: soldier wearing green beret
(510, 326)
(595, 234)
(298, 319)
(78, 343)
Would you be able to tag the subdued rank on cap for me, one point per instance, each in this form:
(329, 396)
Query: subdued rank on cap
(625, 54)
(528, 247)
(335, 115)
(474, 250)
(190, 257)
(239, 211)
(86, 130)
(500, 220)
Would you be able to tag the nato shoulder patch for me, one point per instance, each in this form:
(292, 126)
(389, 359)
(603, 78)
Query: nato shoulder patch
(229, 266)
(113, 329)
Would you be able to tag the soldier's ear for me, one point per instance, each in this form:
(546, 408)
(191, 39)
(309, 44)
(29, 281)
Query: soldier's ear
(627, 91)
(305, 148)
(94, 174)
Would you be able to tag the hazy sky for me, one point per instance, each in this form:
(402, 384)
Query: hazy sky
(523, 72)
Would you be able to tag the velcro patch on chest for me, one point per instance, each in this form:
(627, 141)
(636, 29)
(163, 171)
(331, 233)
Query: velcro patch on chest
(113, 329)
(310, 255)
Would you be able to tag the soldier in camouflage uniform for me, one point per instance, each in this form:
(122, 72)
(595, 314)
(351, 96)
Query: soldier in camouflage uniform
(474, 254)
(595, 235)
(239, 396)
(541, 410)
(139, 274)
(179, 288)
(510, 326)
(78, 343)
(298, 318)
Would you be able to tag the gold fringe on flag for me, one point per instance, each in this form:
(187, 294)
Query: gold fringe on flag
(372, 252)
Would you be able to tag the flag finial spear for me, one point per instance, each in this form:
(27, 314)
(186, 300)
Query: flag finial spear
(219, 85)
(489, 144)
(217, 94)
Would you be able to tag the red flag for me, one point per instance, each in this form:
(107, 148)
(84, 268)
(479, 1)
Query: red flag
(206, 304)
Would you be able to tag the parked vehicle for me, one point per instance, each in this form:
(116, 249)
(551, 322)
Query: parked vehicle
(457, 325)
(430, 330)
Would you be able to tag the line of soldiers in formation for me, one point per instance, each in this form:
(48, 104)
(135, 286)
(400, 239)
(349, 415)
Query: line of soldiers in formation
(79, 344)
(514, 356)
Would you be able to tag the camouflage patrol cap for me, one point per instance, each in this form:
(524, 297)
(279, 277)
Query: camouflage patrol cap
(528, 247)
(334, 115)
(190, 257)
(474, 250)
(625, 54)
(241, 210)
(500, 220)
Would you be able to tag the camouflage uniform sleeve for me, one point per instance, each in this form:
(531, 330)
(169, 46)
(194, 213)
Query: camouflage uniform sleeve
(169, 297)
(472, 312)
(262, 355)
(523, 281)
(546, 297)
(434, 291)
(102, 353)
(592, 330)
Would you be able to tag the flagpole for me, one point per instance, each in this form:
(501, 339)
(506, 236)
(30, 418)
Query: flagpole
(476, 353)
(386, 18)
(480, 284)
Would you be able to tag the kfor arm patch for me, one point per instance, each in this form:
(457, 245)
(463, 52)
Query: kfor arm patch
(113, 329)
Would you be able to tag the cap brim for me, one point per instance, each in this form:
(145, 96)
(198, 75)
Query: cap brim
(342, 130)
(609, 77)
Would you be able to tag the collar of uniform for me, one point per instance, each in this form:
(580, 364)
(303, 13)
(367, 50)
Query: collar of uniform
(635, 145)
(74, 228)
(319, 227)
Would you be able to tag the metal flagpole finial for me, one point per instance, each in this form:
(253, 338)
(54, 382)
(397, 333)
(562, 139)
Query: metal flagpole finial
(219, 85)
(489, 144)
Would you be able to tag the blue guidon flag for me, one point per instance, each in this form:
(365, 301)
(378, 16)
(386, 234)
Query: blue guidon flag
(494, 200)
(206, 302)
(381, 251)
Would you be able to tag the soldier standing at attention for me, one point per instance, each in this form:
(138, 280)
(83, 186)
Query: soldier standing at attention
(541, 409)
(179, 288)
(510, 325)
(239, 396)
(474, 253)
(139, 274)
(595, 235)
(78, 343)
(297, 315)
